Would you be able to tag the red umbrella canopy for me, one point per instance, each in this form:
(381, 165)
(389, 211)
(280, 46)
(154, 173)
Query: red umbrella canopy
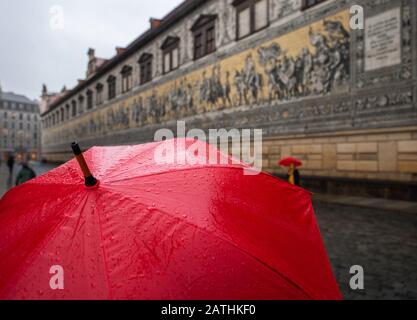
(151, 231)
(286, 162)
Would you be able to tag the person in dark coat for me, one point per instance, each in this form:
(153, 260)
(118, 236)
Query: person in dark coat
(25, 174)
(10, 163)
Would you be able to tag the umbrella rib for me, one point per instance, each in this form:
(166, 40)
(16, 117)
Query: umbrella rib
(245, 252)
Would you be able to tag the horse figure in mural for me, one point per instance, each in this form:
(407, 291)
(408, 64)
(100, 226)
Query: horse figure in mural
(248, 83)
(213, 93)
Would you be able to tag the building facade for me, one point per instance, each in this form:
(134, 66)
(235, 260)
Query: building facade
(341, 100)
(20, 127)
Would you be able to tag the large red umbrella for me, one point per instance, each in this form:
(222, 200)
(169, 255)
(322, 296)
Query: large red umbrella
(150, 231)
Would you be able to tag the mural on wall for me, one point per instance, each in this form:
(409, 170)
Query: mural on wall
(311, 61)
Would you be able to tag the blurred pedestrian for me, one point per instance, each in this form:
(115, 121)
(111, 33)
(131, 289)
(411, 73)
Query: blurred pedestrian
(10, 163)
(25, 174)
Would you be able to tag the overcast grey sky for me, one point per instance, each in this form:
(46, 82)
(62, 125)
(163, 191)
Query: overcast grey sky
(35, 49)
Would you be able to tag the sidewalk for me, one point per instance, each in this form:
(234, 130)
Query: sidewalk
(6, 182)
(368, 203)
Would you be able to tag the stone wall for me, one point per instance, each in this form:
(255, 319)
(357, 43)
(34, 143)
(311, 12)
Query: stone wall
(359, 127)
(374, 155)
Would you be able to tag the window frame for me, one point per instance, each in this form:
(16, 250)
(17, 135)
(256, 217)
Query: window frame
(305, 5)
(145, 68)
(241, 5)
(127, 78)
(81, 104)
(67, 111)
(200, 29)
(99, 94)
(111, 87)
(73, 108)
(168, 47)
(90, 102)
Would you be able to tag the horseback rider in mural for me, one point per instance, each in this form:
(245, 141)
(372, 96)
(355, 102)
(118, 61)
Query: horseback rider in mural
(179, 100)
(248, 83)
(339, 44)
(213, 94)
(303, 67)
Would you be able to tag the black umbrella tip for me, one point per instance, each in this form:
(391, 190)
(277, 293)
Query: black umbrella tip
(76, 148)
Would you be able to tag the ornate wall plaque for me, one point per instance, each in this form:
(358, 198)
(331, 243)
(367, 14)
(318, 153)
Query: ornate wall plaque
(383, 40)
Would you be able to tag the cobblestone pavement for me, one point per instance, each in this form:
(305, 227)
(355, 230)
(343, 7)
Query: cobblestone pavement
(383, 243)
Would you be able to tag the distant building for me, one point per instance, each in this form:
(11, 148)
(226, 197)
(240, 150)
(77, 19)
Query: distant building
(342, 100)
(20, 130)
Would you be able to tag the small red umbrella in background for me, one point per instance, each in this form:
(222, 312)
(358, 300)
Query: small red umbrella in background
(293, 174)
(286, 162)
(141, 230)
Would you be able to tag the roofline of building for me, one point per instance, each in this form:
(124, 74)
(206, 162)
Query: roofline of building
(17, 95)
(182, 10)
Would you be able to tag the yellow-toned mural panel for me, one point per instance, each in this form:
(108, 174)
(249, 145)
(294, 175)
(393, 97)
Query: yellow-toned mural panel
(311, 61)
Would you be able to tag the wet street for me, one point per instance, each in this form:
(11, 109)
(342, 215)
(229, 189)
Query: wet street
(383, 243)
(7, 181)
